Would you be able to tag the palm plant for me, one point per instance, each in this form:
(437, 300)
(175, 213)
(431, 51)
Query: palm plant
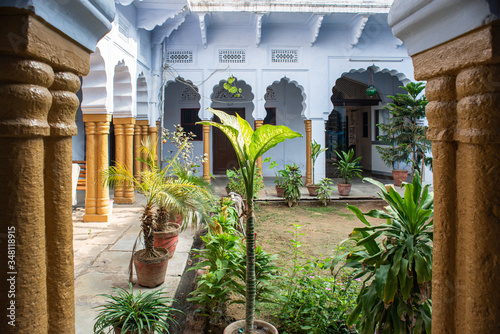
(157, 185)
(348, 167)
(397, 270)
(142, 312)
(316, 150)
(249, 146)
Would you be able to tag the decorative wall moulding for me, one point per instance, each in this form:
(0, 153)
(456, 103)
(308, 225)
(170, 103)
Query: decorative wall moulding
(232, 56)
(179, 56)
(284, 56)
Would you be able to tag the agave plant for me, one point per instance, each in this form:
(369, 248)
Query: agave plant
(395, 260)
(249, 146)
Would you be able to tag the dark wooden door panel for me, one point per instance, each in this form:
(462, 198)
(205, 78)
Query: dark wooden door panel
(224, 156)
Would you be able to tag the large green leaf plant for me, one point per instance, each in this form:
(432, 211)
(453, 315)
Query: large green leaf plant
(395, 260)
(249, 146)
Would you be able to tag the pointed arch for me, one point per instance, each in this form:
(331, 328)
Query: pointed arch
(297, 85)
(142, 102)
(122, 91)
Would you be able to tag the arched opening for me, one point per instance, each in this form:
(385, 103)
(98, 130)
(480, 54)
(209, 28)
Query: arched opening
(182, 108)
(224, 157)
(285, 104)
(142, 97)
(352, 122)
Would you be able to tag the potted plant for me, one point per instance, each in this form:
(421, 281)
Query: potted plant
(316, 150)
(348, 168)
(394, 260)
(150, 263)
(189, 201)
(249, 146)
(280, 174)
(133, 313)
(324, 192)
(292, 179)
(404, 133)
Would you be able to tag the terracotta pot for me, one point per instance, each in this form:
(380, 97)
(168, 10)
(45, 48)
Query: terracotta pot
(399, 176)
(344, 189)
(279, 191)
(151, 271)
(263, 326)
(312, 189)
(168, 239)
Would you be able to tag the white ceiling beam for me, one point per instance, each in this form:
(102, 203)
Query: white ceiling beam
(203, 29)
(258, 28)
(357, 25)
(314, 27)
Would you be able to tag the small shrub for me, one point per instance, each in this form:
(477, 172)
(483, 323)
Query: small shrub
(293, 182)
(324, 192)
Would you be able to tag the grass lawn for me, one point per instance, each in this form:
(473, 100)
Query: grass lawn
(324, 229)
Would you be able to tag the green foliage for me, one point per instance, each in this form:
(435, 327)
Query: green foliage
(348, 166)
(230, 86)
(395, 260)
(407, 139)
(316, 150)
(249, 145)
(237, 183)
(324, 192)
(136, 312)
(224, 217)
(278, 173)
(292, 182)
(312, 302)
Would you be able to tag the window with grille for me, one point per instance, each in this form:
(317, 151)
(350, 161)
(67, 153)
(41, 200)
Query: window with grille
(189, 117)
(271, 116)
(284, 56)
(231, 56)
(179, 56)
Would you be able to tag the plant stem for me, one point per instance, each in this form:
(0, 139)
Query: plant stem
(250, 270)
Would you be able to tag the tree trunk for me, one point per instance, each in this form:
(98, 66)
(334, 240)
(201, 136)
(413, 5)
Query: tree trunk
(250, 273)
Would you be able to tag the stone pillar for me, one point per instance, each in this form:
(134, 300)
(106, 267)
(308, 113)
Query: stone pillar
(58, 216)
(144, 134)
(464, 125)
(39, 68)
(97, 194)
(153, 133)
(137, 150)
(206, 152)
(124, 132)
(308, 127)
(258, 124)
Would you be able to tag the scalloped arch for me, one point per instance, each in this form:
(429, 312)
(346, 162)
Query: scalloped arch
(376, 69)
(142, 96)
(249, 99)
(188, 83)
(122, 90)
(94, 88)
(300, 87)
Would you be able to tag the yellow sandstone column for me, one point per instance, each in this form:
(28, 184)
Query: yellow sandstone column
(307, 124)
(58, 216)
(206, 152)
(128, 189)
(39, 70)
(119, 155)
(464, 125)
(153, 133)
(144, 134)
(137, 150)
(258, 124)
(97, 161)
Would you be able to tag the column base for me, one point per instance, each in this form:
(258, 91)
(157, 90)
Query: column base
(124, 200)
(96, 218)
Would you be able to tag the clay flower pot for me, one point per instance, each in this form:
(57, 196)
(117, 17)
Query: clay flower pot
(168, 239)
(262, 327)
(151, 271)
(279, 191)
(344, 189)
(312, 189)
(399, 176)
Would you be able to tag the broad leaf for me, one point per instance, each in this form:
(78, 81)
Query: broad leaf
(268, 136)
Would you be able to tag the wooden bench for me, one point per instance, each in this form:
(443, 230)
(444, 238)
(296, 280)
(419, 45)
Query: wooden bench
(82, 178)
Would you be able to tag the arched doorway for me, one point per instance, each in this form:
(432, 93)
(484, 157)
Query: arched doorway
(352, 122)
(224, 157)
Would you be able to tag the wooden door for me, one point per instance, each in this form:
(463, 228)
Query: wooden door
(224, 156)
